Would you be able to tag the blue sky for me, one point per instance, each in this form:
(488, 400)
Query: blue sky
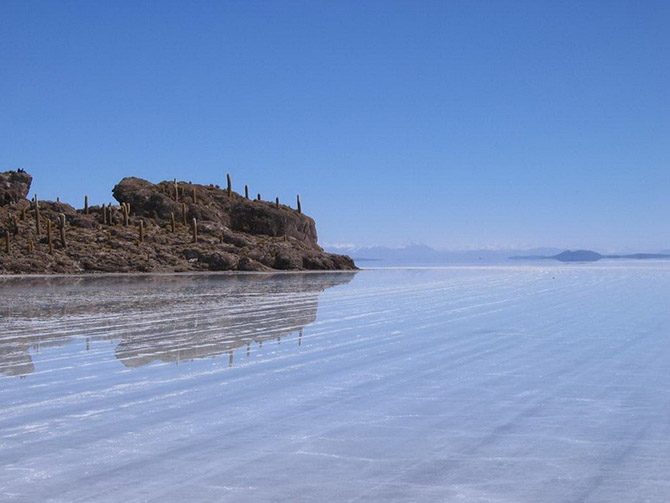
(459, 124)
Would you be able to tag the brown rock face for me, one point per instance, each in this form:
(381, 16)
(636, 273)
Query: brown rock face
(213, 205)
(233, 233)
(14, 186)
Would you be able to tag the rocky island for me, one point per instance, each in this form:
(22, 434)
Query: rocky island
(171, 226)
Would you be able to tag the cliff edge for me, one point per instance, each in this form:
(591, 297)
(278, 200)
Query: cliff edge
(173, 226)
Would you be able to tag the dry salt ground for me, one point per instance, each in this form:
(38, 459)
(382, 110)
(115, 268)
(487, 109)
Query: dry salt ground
(474, 384)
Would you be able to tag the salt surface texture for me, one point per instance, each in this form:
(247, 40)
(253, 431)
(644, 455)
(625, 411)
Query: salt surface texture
(497, 384)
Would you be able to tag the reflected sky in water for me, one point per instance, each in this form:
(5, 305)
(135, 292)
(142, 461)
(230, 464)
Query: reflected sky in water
(473, 384)
(155, 318)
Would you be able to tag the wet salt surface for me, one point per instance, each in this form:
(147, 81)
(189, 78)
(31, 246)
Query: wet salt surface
(497, 384)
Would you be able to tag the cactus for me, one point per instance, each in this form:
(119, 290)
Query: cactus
(298, 201)
(258, 197)
(7, 242)
(126, 216)
(49, 241)
(195, 230)
(176, 191)
(141, 229)
(183, 213)
(86, 205)
(195, 201)
(276, 202)
(37, 216)
(104, 214)
(172, 223)
(246, 191)
(61, 221)
(30, 246)
(229, 190)
(23, 214)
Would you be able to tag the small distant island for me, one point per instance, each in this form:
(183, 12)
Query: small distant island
(591, 256)
(171, 226)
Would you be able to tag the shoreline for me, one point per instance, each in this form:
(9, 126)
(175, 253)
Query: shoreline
(181, 273)
(557, 266)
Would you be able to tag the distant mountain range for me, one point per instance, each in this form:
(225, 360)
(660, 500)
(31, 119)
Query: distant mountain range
(422, 255)
(591, 256)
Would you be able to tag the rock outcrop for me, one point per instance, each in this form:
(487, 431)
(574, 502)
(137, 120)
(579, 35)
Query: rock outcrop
(233, 233)
(14, 186)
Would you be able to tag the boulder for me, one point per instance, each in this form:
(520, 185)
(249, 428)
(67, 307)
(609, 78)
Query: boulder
(14, 186)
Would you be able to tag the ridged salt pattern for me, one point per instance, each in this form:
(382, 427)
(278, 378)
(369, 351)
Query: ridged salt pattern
(478, 384)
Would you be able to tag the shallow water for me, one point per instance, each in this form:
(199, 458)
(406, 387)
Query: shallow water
(469, 384)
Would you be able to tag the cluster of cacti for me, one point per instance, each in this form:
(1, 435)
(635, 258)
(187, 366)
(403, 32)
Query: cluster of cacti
(107, 214)
(125, 211)
(229, 193)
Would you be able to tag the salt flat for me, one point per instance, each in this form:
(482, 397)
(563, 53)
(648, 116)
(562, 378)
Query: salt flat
(474, 384)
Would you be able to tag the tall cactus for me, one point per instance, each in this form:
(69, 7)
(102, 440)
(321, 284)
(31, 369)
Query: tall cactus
(126, 215)
(195, 230)
(61, 221)
(38, 230)
(229, 189)
(86, 205)
(246, 191)
(298, 201)
(49, 240)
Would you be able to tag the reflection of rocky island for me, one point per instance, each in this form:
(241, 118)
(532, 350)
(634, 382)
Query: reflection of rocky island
(155, 318)
(591, 256)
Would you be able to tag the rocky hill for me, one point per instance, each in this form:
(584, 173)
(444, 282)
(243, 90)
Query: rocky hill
(171, 226)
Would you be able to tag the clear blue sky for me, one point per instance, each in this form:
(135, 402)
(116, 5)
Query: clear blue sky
(459, 124)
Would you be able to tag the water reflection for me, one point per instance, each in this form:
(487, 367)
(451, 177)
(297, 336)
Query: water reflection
(156, 318)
